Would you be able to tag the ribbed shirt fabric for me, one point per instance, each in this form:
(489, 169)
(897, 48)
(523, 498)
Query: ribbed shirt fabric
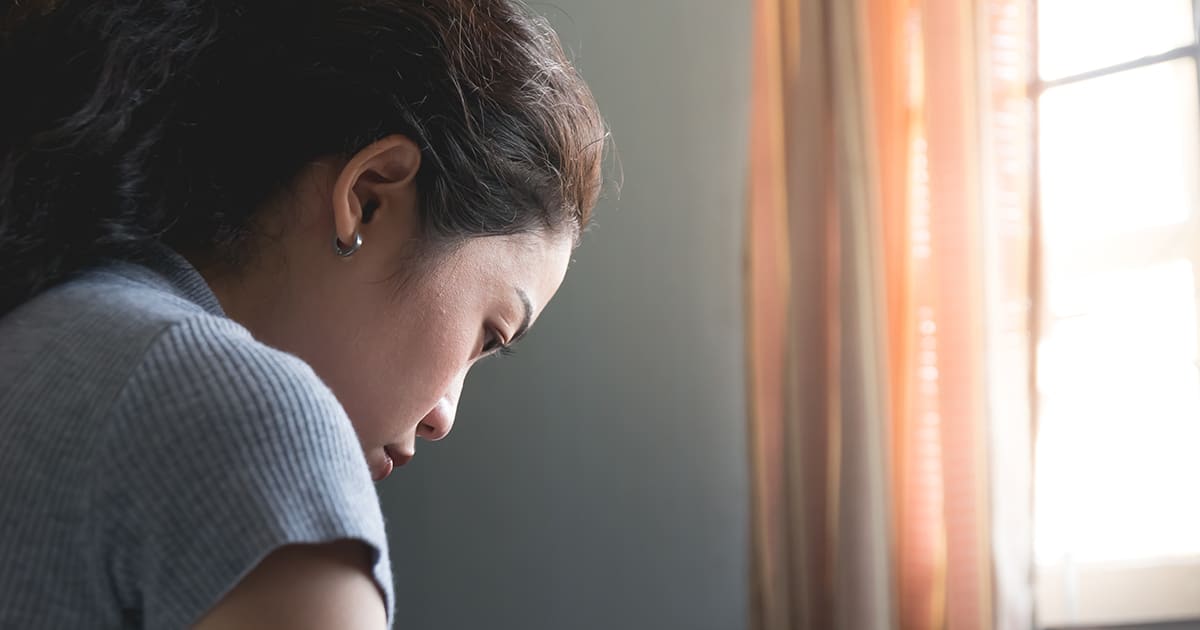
(152, 453)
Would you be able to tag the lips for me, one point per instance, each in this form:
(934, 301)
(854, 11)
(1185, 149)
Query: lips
(393, 458)
(381, 472)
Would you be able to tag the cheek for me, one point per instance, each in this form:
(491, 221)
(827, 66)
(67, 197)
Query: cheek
(403, 372)
(388, 362)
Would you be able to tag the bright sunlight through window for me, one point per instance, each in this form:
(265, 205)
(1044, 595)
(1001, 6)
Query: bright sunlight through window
(1118, 446)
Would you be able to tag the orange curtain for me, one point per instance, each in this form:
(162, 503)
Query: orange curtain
(941, 492)
(791, 511)
(816, 346)
(866, 315)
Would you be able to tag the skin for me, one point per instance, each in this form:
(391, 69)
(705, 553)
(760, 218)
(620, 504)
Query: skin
(392, 333)
(303, 586)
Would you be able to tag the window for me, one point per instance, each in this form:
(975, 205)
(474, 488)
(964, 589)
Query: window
(1117, 481)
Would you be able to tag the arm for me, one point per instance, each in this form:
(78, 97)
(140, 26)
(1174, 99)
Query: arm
(304, 587)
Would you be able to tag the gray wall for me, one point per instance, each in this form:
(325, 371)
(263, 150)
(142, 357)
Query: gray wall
(599, 479)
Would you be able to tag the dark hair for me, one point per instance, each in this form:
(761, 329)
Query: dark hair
(124, 122)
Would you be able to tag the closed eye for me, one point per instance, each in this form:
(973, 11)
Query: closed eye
(495, 345)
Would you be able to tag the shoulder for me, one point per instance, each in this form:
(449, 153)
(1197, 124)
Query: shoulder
(207, 385)
(222, 451)
(205, 452)
(208, 404)
(209, 368)
(95, 328)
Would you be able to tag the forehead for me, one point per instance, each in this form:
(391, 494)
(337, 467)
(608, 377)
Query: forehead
(532, 262)
(516, 252)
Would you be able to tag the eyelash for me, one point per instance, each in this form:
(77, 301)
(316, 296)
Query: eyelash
(494, 346)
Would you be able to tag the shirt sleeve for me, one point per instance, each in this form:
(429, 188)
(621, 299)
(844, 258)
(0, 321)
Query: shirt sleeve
(221, 450)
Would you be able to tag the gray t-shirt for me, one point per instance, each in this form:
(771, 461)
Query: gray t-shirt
(153, 453)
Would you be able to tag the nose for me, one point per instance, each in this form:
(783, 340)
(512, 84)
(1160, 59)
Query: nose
(437, 423)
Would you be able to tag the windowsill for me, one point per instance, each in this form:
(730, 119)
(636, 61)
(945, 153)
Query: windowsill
(1191, 624)
(1115, 593)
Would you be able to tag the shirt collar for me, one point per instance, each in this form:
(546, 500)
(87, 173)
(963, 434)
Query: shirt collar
(184, 279)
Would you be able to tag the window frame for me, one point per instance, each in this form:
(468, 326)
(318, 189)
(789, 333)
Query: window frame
(1069, 594)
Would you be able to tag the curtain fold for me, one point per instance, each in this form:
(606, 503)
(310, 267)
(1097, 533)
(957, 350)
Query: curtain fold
(955, 278)
(1007, 136)
(817, 350)
(866, 310)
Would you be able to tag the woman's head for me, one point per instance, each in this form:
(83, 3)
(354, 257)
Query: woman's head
(390, 322)
(452, 136)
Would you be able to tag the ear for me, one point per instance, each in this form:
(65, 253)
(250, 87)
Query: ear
(383, 176)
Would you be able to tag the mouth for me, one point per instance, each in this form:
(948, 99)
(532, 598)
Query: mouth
(393, 458)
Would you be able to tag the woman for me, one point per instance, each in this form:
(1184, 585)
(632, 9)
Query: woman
(248, 252)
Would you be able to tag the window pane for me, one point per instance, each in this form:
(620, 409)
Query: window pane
(1120, 424)
(1118, 154)
(1075, 36)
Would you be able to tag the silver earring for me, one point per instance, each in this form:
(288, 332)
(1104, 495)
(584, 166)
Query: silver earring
(346, 252)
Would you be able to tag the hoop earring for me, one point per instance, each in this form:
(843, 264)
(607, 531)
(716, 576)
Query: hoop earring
(346, 252)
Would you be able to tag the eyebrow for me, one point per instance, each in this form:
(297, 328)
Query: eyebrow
(526, 320)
